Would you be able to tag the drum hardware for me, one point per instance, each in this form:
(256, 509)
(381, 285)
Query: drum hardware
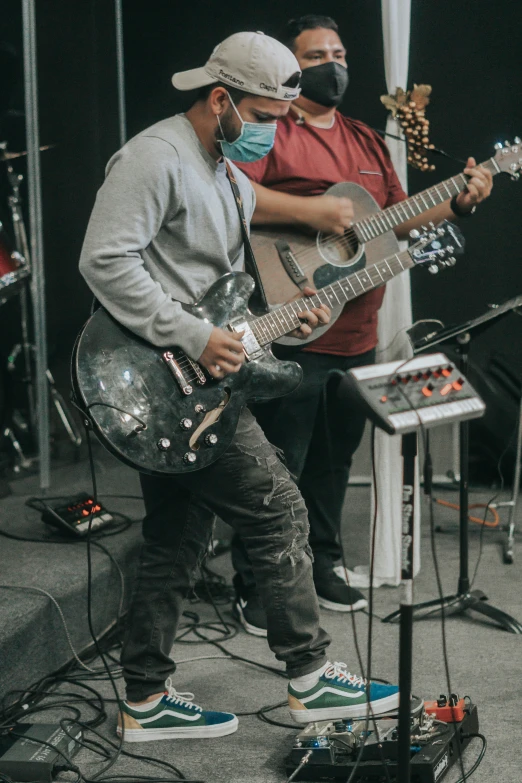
(15, 282)
(13, 155)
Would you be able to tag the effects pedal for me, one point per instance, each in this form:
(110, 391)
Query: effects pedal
(332, 749)
(74, 515)
(449, 710)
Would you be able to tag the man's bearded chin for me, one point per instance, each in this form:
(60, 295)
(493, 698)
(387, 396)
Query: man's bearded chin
(228, 125)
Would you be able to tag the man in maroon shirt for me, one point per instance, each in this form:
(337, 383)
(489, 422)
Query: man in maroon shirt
(315, 148)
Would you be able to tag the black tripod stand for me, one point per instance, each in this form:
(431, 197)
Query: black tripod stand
(465, 599)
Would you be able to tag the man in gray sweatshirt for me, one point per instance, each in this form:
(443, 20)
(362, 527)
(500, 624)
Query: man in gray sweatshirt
(166, 226)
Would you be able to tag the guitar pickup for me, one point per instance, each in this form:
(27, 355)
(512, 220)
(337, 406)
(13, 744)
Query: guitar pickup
(289, 261)
(250, 345)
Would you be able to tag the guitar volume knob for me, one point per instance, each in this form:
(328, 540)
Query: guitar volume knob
(189, 458)
(185, 424)
(163, 444)
(211, 439)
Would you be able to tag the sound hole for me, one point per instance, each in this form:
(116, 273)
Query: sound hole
(339, 250)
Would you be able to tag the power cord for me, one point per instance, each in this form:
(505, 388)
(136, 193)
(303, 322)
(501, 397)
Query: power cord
(428, 490)
(365, 674)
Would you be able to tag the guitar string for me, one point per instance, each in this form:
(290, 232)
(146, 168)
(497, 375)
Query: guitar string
(272, 322)
(263, 325)
(342, 287)
(428, 192)
(341, 241)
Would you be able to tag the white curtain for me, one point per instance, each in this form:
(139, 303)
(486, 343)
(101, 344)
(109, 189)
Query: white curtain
(395, 316)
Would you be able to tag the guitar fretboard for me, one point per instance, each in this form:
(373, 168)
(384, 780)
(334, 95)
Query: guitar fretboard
(276, 323)
(379, 223)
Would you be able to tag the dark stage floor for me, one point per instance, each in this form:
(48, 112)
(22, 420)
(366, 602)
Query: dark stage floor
(485, 663)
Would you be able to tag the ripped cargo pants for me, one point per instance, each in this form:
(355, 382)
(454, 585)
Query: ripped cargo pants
(251, 490)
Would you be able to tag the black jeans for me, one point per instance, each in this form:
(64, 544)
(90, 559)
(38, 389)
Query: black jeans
(318, 436)
(250, 489)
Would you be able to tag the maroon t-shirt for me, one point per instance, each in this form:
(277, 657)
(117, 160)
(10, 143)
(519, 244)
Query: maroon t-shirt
(306, 161)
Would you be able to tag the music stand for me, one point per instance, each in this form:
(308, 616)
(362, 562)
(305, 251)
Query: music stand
(465, 599)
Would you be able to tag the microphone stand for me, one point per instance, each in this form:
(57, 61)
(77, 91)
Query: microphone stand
(465, 599)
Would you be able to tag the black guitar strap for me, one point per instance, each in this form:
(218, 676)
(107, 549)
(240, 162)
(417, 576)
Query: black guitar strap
(258, 301)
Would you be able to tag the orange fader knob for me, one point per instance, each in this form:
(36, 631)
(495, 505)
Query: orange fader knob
(427, 391)
(457, 385)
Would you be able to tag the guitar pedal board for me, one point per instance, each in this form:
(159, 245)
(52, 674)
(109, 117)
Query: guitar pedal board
(333, 748)
(401, 396)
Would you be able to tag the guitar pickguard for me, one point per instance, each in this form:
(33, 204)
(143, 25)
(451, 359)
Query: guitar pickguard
(328, 273)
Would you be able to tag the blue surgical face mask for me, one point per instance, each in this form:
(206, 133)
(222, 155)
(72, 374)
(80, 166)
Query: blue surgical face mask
(253, 143)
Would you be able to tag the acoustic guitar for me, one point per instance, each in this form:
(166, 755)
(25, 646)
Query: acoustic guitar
(289, 259)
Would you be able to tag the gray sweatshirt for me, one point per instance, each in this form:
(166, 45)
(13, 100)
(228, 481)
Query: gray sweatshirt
(164, 227)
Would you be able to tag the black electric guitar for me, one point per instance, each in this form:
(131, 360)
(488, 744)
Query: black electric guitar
(160, 412)
(289, 259)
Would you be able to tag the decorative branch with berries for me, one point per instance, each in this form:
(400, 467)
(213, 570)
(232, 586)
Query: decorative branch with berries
(408, 108)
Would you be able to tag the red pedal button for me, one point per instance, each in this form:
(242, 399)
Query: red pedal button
(384, 398)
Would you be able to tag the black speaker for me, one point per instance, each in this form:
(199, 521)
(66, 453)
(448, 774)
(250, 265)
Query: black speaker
(493, 438)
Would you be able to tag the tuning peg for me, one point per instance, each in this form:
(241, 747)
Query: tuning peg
(452, 260)
(507, 144)
(440, 232)
(515, 177)
(498, 145)
(433, 269)
(414, 234)
(517, 140)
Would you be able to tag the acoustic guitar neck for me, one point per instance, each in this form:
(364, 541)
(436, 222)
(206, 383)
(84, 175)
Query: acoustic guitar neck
(379, 223)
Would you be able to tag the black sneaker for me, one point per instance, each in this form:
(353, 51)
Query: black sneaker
(248, 608)
(333, 592)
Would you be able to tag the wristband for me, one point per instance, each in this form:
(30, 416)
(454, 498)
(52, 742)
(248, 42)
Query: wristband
(458, 211)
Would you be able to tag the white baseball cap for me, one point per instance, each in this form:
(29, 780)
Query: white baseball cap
(252, 62)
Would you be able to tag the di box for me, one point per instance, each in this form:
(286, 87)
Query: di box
(25, 754)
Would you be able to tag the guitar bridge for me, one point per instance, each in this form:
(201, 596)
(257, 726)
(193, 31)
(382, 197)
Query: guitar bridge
(292, 268)
(178, 364)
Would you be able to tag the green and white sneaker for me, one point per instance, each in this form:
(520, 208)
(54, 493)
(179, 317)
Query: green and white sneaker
(339, 694)
(174, 717)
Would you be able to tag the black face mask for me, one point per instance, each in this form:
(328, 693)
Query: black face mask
(324, 84)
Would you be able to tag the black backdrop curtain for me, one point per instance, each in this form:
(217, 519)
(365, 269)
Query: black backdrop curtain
(469, 51)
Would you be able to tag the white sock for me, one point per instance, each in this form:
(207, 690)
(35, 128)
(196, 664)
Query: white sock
(144, 707)
(308, 681)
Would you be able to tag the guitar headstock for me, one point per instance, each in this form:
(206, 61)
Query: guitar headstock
(508, 157)
(437, 246)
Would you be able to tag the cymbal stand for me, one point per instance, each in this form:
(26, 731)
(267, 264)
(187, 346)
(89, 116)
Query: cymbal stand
(26, 348)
